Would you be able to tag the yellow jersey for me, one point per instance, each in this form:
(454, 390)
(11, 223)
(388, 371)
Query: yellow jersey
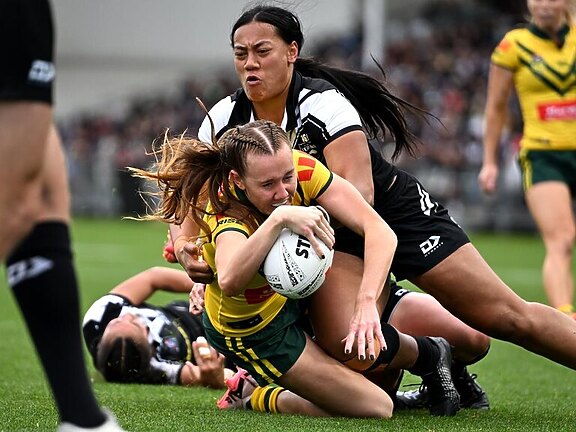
(545, 82)
(249, 312)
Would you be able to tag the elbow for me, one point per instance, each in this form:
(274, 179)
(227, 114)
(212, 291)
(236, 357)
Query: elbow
(228, 284)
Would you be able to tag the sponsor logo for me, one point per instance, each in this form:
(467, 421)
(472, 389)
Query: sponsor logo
(430, 245)
(42, 72)
(28, 269)
(558, 110)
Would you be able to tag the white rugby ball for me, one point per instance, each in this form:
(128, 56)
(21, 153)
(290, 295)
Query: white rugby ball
(292, 267)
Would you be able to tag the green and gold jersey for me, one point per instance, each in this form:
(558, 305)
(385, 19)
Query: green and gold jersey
(246, 313)
(545, 82)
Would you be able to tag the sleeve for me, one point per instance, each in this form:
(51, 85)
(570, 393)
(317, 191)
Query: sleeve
(328, 115)
(164, 372)
(313, 176)
(504, 55)
(220, 114)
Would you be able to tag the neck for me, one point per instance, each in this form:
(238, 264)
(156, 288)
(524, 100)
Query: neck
(270, 110)
(551, 29)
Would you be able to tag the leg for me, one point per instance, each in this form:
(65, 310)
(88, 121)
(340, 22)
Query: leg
(23, 131)
(330, 386)
(551, 206)
(466, 285)
(468, 347)
(331, 308)
(47, 294)
(468, 344)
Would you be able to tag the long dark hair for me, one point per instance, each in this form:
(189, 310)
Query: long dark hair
(379, 109)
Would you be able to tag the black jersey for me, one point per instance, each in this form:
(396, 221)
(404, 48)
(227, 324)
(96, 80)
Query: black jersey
(172, 330)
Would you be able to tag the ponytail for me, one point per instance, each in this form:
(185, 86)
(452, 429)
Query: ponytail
(379, 109)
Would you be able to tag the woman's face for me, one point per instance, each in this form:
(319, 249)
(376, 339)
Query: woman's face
(270, 180)
(263, 61)
(127, 325)
(548, 14)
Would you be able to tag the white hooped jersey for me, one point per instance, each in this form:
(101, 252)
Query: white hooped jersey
(170, 330)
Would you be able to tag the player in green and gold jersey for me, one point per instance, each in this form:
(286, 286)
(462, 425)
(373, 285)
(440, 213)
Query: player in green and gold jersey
(539, 62)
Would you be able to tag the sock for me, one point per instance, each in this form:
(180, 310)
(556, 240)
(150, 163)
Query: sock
(41, 274)
(265, 399)
(566, 308)
(427, 356)
(392, 339)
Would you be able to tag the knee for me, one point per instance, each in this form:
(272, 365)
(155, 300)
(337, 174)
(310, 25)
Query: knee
(512, 324)
(563, 244)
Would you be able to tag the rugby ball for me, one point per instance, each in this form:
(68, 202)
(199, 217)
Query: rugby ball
(292, 267)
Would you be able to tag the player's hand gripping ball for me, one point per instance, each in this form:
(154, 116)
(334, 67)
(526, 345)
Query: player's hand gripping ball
(292, 267)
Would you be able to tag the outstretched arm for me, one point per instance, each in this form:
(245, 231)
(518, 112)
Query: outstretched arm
(141, 286)
(379, 247)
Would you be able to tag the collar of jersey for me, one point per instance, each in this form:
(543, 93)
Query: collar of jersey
(562, 33)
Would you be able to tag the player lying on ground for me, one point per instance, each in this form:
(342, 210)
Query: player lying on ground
(134, 341)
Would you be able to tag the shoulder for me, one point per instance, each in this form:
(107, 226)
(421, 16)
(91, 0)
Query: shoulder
(506, 52)
(221, 114)
(313, 175)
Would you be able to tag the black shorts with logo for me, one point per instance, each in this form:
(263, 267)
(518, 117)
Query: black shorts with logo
(426, 233)
(27, 47)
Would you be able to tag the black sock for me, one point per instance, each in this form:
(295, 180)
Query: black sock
(41, 274)
(428, 354)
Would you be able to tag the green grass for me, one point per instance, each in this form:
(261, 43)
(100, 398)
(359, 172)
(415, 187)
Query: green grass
(527, 393)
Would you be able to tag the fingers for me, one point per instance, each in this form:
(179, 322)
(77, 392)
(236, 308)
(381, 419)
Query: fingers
(203, 352)
(365, 340)
(197, 299)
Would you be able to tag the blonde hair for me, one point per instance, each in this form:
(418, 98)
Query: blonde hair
(188, 173)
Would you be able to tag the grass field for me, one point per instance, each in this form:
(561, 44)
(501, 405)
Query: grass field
(527, 393)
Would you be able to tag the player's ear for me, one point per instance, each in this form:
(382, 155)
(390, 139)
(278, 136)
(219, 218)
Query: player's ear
(234, 177)
(292, 52)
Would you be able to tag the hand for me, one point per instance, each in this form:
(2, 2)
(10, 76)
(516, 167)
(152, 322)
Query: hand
(309, 222)
(208, 371)
(197, 298)
(365, 326)
(189, 258)
(488, 177)
(168, 251)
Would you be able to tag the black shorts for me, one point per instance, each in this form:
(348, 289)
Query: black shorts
(396, 294)
(27, 46)
(426, 233)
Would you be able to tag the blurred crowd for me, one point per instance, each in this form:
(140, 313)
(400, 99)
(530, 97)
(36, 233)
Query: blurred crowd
(438, 62)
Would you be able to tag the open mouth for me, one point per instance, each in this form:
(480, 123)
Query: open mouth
(252, 79)
(285, 202)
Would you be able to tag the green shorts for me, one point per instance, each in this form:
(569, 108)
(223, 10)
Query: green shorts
(266, 354)
(545, 165)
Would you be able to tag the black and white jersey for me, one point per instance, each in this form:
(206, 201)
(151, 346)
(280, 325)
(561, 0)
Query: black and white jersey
(171, 329)
(316, 114)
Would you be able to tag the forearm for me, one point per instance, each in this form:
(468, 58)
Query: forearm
(500, 83)
(379, 247)
(236, 266)
(492, 133)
